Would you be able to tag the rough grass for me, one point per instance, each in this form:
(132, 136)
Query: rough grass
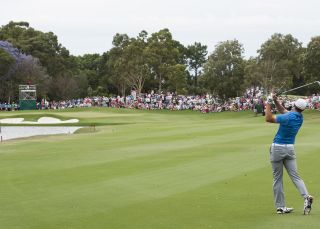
(153, 169)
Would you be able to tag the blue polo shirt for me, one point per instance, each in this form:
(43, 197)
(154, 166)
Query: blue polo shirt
(290, 124)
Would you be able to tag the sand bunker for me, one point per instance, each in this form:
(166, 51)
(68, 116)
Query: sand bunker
(42, 120)
(13, 132)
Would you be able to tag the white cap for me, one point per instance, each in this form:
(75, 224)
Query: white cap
(301, 104)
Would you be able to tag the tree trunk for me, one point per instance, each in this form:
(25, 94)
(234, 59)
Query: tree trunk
(195, 77)
(160, 82)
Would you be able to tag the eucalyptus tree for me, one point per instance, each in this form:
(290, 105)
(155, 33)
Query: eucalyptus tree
(280, 62)
(196, 57)
(177, 80)
(64, 87)
(89, 66)
(253, 76)
(163, 52)
(224, 70)
(312, 62)
(135, 58)
(117, 74)
(106, 72)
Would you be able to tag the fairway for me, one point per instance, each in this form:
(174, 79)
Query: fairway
(153, 169)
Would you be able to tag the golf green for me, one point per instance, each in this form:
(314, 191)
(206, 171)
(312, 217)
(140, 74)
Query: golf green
(153, 169)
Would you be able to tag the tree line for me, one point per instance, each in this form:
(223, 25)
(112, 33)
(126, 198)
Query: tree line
(151, 62)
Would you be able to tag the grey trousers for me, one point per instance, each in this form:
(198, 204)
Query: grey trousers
(284, 156)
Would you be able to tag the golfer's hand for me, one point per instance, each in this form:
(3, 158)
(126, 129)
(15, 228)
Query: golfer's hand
(275, 97)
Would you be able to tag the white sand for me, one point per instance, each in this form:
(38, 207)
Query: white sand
(42, 120)
(11, 120)
(13, 132)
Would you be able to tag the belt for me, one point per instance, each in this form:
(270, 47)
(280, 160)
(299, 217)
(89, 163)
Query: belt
(276, 144)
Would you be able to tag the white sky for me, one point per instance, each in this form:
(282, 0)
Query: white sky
(88, 26)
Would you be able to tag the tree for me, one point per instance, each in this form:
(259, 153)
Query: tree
(6, 61)
(64, 87)
(163, 52)
(89, 66)
(253, 74)
(135, 59)
(105, 73)
(280, 62)
(43, 46)
(89, 62)
(82, 85)
(116, 64)
(312, 63)
(196, 55)
(224, 71)
(21, 69)
(30, 71)
(177, 81)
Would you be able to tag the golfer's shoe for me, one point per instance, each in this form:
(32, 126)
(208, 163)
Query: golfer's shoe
(284, 210)
(307, 205)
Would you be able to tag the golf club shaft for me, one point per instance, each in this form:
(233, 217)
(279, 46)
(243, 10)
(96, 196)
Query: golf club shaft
(293, 89)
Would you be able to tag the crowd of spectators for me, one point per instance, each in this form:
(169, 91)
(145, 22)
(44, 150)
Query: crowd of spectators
(252, 99)
(9, 106)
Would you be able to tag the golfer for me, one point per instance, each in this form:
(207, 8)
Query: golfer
(282, 152)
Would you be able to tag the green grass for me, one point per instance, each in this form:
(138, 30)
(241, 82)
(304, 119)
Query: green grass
(153, 169)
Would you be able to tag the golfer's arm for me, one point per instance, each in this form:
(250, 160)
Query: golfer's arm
(279, 107)
(269, 116)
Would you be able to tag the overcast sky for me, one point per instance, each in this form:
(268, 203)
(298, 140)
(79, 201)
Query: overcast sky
(88, 26)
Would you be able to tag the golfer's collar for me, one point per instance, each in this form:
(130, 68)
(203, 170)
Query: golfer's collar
(296, 112)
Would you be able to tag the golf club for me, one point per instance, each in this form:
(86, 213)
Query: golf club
(293, 89)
